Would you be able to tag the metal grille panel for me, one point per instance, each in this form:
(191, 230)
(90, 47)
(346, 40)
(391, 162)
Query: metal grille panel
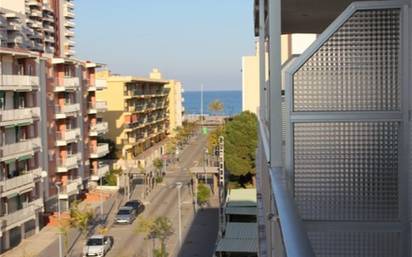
(355, 244)
(346, 170)
(356, 69)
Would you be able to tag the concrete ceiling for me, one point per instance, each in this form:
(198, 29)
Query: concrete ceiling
(306, 16)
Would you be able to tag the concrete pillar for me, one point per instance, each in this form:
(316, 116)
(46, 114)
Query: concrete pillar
(22, 231)
(37, 223)
(6, 241)
(275, 99)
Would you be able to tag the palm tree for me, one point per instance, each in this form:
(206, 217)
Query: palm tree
(216, 106)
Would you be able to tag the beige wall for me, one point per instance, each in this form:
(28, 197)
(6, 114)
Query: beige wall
(14, 5)
(175, 105)
(113, 95)
(291, 44)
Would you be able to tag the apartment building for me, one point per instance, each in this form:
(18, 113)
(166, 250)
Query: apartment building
(137, 113)
(334, 179)
(290, 45)
(49, 116)
(175, 109)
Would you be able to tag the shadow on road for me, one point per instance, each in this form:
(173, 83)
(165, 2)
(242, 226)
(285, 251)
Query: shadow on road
(201, 236)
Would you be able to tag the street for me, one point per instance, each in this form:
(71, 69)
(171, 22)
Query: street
(161, 202)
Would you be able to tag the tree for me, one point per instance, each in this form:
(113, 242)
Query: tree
(213, 138)
(203, 194)
(216, 106)
(80, 217)
(240, 145)
(158, 164)
(160, 229)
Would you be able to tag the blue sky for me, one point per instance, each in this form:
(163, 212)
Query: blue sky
(194, 41)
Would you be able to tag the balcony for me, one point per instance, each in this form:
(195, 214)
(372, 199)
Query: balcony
(71, 162)
(20, 183)
(67, 137)
(69, 33)
(100, 84)
(69, 43)
(34, 3)
(71, 188)
(101, 171)
(99, 128)
(69, 52)
(20, 149)
(14, 26)
(69, 24)
(36, 13)
(98, 106)
(19, 116)
(68, 13)
(99, 151)
(67, 84)
(137, 108)
(66, 110)
(21, 216)
(69, 4)
(19, 82)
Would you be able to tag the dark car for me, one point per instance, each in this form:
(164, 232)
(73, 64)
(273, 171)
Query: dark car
(137, 206)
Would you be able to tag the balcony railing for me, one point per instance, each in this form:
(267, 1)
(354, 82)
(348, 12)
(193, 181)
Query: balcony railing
(71, 83)
(98, 106)
(18, 82)
(99, 151)
(16, 182)
(101, 171)
(21, 216)
(19, 114)
(99, 128)
(71, 188)
(23, 148)
(70, 162)
(101, 84)
(67, 109)
(292, 239)
(69, 24)
(68, 136)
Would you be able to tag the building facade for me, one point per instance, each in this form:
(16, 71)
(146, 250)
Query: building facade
(49, 116)
(137, 113)
(175, 108)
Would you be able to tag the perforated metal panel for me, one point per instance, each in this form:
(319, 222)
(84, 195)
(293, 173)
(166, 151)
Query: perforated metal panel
(345, 134)
(355, 244)
(346, 170)
(356, 69)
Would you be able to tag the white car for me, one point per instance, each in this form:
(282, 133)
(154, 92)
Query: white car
(97, 245)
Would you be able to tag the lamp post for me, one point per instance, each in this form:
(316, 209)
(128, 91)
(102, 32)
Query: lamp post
(101, 197)
(59, 217)
(179, 206)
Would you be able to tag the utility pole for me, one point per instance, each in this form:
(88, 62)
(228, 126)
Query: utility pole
(59, 217)
(179, 206)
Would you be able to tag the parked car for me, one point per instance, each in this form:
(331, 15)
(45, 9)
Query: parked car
(136, 205)
(125, 215)
(97, 245)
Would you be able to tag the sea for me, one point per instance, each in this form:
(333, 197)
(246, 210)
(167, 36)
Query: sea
(232, 101)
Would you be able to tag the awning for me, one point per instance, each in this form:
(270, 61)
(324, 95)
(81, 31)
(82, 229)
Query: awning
(237, 245)
(241, 230)
(25, 123)
(241, 210)
(25, 157)
(9, 161)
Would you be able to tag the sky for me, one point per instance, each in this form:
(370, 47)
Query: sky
(194, 41)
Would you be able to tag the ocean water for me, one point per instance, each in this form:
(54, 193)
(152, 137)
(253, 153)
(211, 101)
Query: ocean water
(232, 101)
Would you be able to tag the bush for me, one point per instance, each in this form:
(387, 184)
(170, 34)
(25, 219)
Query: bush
(111, 178)
(159, 179)
(203, 194)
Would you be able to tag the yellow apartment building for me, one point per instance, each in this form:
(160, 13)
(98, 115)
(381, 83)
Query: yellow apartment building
(137, 112)
(175, 108)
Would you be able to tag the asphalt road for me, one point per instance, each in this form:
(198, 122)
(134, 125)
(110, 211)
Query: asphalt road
(161, 202)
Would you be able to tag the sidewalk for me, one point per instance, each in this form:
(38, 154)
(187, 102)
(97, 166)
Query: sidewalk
(42, 243)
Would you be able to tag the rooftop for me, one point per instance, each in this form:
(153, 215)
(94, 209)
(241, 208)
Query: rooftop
(241, 197)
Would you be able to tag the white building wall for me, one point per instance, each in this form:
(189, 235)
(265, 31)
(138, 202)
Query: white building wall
(14, 5)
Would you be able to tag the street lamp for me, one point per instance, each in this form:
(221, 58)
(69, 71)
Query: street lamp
(57, 184)
(179, 206)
